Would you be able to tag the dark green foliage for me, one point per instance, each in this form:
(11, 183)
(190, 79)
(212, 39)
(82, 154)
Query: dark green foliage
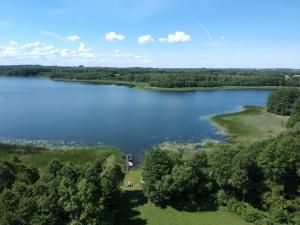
(295, 115)
(280, 160)
(171, 177)
(222, 198)
(281, 101)
(220, 161)
(164, 78)
(235, 170)
(156, 174)
(279, 207)
(247, 212)
(12, 170)
(264, 174)
(64, 194)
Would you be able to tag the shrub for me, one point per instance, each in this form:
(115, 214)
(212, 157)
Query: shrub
(222, 198)
(246, 211)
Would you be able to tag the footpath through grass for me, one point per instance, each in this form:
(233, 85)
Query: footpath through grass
(251, 124)
(138, 211)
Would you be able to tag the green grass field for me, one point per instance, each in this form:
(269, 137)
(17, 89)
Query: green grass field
(141, 212)
(251, 124)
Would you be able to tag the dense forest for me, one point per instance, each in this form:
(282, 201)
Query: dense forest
(285, 102)
(164, 78)
(62, 194)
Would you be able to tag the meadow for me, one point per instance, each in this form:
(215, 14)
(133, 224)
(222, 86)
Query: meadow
(251, 124)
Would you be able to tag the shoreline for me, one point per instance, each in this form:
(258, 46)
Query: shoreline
(145, 86)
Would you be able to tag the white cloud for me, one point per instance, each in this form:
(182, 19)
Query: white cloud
(145, 39)
(222, 37)
(177, 37)
(113, 36)
(13, 43)
(38, 51)
(73, 38)
(84, 52)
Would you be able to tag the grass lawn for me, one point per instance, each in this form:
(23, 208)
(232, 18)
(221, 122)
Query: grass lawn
(169, 216)
(141, 212)
(251, 124)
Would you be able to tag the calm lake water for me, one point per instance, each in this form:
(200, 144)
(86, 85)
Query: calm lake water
(131, 119)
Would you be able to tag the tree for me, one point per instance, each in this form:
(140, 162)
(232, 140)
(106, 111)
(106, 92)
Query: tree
(220, 164)
(295, 115)
(246, 177)
(7, 174)
(281, 101)
(111, 179)
(280, 159)
(157, 164)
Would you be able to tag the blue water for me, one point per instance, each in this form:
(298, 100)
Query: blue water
(131, 119)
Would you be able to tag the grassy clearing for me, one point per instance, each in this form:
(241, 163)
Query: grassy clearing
(169, 216)
(251, 124)
(139, 211)
(40, 157)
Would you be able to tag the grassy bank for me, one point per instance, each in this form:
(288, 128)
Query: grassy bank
(40, 157)
(143, 212)
(251, 124)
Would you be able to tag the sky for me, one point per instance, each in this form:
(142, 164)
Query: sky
(151, 33)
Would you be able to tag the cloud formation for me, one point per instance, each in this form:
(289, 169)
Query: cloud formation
(37, 50)
(73, 38)
(145, 39)
(114, 37)
(179, 36)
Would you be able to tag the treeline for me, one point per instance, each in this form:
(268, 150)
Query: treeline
(165, 78)
(285, 102)
(258, 182)
(62, 194)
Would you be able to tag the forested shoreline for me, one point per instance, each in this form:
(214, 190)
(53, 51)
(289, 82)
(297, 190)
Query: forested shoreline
(164, 78)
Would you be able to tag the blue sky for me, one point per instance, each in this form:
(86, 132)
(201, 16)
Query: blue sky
(151, 33)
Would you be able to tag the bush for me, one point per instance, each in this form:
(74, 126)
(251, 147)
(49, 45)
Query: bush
(246, 211)
(222, 198)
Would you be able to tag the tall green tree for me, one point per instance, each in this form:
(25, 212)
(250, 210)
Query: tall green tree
(281, 101)
(295, 115)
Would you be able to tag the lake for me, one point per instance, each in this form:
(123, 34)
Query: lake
(129, 118)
